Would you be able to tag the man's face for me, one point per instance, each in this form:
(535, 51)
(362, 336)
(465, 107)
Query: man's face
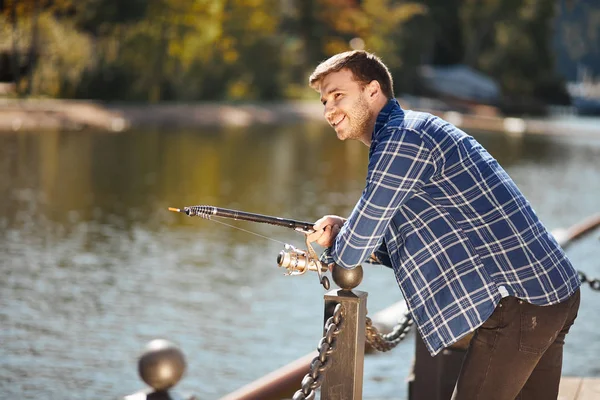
(346, 107)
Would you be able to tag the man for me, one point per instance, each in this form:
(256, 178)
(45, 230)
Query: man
(467, 249)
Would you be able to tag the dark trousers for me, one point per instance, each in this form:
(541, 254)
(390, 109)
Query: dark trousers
(517, 353)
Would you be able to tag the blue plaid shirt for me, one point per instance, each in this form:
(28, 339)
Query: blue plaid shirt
(458, 233)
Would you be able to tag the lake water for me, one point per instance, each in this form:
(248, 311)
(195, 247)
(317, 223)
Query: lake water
(93, 266)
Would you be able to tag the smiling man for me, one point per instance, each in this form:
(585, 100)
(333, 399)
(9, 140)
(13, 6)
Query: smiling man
(347, 109)
(467, 249)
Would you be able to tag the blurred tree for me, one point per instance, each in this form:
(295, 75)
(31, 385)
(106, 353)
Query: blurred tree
(511, 41)
(250, 49)
(64, 55)
(480, 18)
(190, 50)
(24, 41)
(326, 27)
(137, 55)
(398, 32)
(97, 16)
(34, 46)
(15, 46)
(264, 49)
(446, 28)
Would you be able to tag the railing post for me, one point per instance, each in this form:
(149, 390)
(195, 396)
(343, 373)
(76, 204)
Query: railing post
(434, 378)
(344, 378)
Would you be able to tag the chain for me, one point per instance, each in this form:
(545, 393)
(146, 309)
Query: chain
(386, 342)
(594, 283)
(314, 379)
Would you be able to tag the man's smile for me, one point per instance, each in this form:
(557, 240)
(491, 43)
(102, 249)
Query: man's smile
(339, 119)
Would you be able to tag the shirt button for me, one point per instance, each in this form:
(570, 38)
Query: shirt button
(520, 301)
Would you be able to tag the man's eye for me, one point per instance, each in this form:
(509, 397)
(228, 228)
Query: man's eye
(337, 95)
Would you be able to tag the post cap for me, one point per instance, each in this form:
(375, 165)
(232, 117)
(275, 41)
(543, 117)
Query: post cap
(347, 279)
(161, 364)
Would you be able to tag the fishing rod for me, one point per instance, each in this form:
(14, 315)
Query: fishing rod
(295, 261)
(209, 211)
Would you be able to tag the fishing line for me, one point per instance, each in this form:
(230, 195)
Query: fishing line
(247, 231)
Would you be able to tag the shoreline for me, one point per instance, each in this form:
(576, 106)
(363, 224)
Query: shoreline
(53, 114)
(74, 115)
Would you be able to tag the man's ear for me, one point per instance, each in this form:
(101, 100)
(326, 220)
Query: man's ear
(373, 88)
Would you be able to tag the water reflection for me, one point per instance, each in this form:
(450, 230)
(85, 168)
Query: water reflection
(94, 266)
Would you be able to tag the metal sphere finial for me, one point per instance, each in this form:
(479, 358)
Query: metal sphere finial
(161, 365)
(347, 279)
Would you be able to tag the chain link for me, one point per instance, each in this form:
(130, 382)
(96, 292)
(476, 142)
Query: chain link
(327, 345)
(594, 283)
(386, 342)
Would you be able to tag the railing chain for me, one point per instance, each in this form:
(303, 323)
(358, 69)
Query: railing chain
(386, 342)
(314, 379)
(594, 283)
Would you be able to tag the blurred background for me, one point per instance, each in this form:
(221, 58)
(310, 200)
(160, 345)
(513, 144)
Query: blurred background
(530, 53)
(111, 111)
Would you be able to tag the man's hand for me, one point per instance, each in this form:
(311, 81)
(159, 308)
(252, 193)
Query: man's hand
(326, 230)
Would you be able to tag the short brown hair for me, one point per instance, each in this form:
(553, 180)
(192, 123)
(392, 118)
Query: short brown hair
(365, 67)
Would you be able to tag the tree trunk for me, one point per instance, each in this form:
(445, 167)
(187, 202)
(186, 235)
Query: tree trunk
(307, 29)
(15, 47)
(156, 91)
(33, 48)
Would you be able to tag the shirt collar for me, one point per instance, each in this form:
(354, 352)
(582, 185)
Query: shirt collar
(390, 110)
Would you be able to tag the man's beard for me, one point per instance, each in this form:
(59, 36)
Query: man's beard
(360, 117)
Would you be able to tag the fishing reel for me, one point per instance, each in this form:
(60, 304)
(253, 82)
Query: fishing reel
(297, 261)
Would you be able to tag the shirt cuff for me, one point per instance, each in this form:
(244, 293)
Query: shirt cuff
(326, 257)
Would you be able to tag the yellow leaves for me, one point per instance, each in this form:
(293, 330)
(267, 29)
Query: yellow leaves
(239, 89)
(250, 3)
(65, 53)
(407, 11)
(376, 22)
(348, 20)
(503, 34)
(256, 17)
(335, 45)
(385, 22)
(230, 56)
(22, 7)
(259, 20)
(228, 47)
(391, 15)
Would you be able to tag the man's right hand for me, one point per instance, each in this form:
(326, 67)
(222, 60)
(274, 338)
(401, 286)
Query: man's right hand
(326, 230)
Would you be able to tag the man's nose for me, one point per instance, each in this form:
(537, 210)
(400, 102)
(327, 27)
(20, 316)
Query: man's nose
(329, 111)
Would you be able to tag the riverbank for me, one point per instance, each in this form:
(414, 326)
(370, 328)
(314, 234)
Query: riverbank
(37, 115)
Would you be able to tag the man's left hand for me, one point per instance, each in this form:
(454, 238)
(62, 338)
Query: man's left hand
(326, 230)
